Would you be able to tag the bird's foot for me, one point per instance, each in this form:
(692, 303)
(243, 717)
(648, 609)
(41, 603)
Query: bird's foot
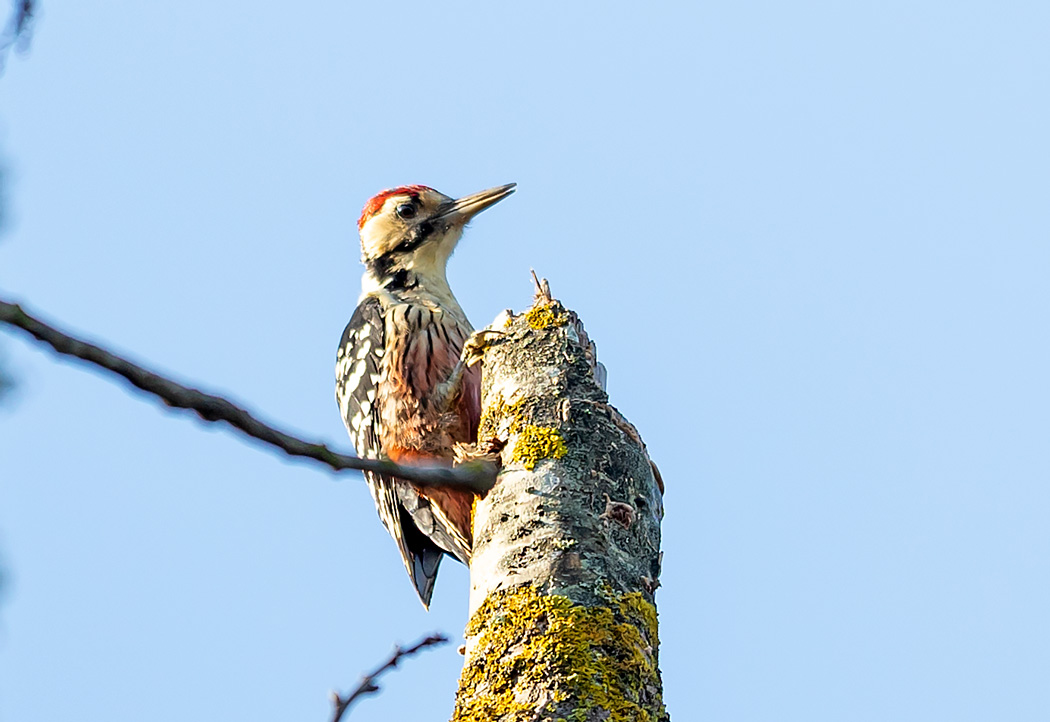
(473, 350)
(488, 450)
(474, 347)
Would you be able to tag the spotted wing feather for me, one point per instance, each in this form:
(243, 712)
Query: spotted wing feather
(358, 370)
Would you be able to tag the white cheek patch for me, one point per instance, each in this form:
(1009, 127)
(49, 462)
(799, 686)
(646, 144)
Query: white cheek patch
(383, 231)
(375, 234)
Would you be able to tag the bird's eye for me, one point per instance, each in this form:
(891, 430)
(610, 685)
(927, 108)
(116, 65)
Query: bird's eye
(406, 211)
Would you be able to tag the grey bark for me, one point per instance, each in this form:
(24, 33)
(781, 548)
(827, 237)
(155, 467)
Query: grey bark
(566, 553)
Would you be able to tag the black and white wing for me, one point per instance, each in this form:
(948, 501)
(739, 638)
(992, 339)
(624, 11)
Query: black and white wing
(358, 378)
(357, 374)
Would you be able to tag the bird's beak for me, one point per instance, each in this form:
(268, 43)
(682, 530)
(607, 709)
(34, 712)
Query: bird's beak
(463, 209)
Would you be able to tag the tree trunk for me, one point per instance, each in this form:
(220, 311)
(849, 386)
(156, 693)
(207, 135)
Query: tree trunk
(566, 546)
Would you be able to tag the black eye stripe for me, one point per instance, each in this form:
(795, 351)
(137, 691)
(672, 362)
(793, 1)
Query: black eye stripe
(381, 266)
(415, 238)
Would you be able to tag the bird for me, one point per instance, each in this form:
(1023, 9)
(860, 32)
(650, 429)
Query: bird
(404, 386)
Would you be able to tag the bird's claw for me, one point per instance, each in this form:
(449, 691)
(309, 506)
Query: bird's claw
(474, 348)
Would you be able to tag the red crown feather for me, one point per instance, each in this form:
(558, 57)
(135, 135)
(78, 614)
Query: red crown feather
(375, 203)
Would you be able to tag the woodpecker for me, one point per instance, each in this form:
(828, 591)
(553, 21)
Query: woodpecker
(404, 391)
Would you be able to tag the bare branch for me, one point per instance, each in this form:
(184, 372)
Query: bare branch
(477, 476)
(368, 683)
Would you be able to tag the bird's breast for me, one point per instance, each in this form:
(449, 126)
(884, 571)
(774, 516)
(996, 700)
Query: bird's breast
(423, 345)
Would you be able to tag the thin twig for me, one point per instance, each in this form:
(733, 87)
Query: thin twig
(542, 288)
(478, 476)
(368, 683)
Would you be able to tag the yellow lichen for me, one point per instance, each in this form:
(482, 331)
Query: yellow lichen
(601, 658)
(546, 316)
(538, 442)
(494, 414)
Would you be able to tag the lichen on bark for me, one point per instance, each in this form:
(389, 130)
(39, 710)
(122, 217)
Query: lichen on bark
(591, 661)
(563, 621)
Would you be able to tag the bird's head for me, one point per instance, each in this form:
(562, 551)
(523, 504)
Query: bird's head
(408, 233)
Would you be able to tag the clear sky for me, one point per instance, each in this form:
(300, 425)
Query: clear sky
(811, 240)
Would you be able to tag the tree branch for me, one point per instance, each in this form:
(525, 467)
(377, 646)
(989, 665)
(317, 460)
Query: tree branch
(478, 476)
(368, 683)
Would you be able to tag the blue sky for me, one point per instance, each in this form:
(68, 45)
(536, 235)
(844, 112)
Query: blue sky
(811, 241)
